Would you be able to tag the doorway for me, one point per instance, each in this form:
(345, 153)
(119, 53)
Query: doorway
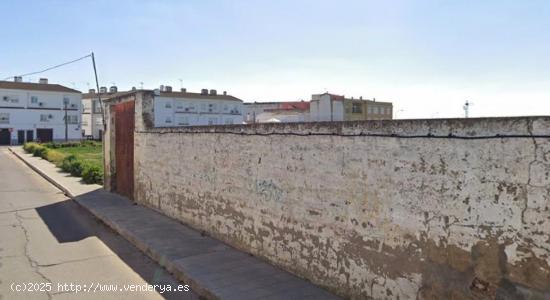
(124, 148)
(44, 135)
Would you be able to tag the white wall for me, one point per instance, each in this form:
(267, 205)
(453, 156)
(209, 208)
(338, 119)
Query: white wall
(24, 114)
(190, 112)
(93, 119)
(326, 110)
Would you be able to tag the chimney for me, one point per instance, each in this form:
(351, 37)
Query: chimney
(360, 97)
(113, 89)
(374, 99)
(43, 81)
(183, 90)
(134, 88)
(162, 88)
(18, 79)
(224, 93)
(168, 89)
(157, 92)
(91, 91)
(213, 92)
(103, 90)
(204, 92)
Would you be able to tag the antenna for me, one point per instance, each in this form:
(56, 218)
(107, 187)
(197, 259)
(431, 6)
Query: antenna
(181, 83)
(466, 108)
(141, 84)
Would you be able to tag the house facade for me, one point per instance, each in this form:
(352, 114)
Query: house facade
(276, 112)
(193, 109)
(330, 107)
(92, 113)
(36, 112)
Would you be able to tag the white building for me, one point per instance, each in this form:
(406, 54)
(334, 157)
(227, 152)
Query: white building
(329, 107)
(326, 107)
(276, 112)
(92, 115)
(191, 109)
(36, 111)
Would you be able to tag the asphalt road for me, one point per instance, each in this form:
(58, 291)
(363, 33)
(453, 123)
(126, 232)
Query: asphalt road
(48, 242)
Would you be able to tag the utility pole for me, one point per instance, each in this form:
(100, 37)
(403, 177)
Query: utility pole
(65, 102)
(99, 95)
(466, 108)
(102, 116)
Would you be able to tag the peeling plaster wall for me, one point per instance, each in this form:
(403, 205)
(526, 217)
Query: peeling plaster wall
(379, 217)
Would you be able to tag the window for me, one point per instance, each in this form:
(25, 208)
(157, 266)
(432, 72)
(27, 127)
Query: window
(168, 120)
(12, 99)
(225, 108)
(84, 123)
(203, 107)
(4, 118)
(228, 121)
(44, 118)
(184, 120)
(168, 105)
(212, 121)
(72, 119)
(357, 108)
(66, 100)
(96, 107)
(34, 99)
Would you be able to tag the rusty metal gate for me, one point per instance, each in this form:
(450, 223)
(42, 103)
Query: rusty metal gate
(124, 148)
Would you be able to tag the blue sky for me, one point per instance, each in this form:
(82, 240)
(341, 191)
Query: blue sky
(427, 57)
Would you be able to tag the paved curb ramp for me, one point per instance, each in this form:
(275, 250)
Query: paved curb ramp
(213, 269)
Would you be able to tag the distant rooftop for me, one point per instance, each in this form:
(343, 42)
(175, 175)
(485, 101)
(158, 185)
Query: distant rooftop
(185, 94)
(12, 85)
(198, 96)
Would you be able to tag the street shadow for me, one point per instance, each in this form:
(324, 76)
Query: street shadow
(65, 222)
(69, 222)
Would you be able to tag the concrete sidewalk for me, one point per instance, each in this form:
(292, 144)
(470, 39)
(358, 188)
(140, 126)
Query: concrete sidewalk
(212, 268)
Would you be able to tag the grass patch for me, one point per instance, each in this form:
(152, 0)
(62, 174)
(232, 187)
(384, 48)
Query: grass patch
(82, 159)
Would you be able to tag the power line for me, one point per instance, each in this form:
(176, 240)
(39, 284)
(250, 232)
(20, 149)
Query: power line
(50, 68)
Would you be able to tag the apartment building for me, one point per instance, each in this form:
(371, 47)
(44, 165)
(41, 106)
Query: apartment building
(276, 112)
(92, 113)
(182, 108)
(330, 107)
(36, 111)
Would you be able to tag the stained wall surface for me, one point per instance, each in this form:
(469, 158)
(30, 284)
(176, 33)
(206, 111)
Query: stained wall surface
(381, 209)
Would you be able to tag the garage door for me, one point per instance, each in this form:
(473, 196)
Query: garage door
(44, 135)
(5, 136)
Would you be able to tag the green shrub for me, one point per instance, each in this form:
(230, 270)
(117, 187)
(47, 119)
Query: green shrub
(76, 168)
(53, 145)
(55, 156)
(66, 164)
(39, 151)
(92, 174)
(29, 147)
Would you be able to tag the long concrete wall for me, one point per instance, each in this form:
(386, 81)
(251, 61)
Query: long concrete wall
(366, 216)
